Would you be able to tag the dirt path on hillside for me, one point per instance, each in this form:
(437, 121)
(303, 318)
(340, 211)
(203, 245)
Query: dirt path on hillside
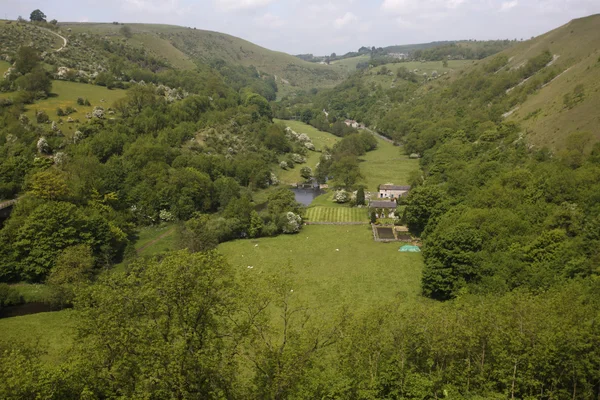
(65, 41)
(158, 239)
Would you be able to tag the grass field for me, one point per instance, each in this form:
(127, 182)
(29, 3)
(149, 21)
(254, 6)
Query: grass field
(165, 50)
(387, 164)
(319, 138)
(349, 64)
(50, 331)
(153, 240)
(65, 94)
(336, 214)
(4, 66)
(333, 265)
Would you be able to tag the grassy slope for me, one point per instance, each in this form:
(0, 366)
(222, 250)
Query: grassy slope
(349, 64)
(175, 42)
(578, 45)
(51, 331)
(360, 273)
(3, 68)
(65, 94)
(387, 164)
(319, 138)
(163, 235)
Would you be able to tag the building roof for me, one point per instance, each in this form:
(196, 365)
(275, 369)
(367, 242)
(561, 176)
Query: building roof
(383, 204)
(393, 187)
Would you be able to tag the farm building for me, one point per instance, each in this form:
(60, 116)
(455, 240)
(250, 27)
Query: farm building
(390, 191)
(385, 208)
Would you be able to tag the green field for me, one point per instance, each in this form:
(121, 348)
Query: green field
(387, 164)
(349, 64)
(153, 240)
(50, 331)
(65, 94)
(319, 138)
(336, 214)
(4, 66)
(333, 265)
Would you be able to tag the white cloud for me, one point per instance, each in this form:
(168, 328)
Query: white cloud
(155, 6)
(345, 20)
(507, 5)
(237, 5)
(415, 7)
(270, 21)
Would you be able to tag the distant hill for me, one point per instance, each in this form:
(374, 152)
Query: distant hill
(405, 48)
(183, 47)
(545, 115)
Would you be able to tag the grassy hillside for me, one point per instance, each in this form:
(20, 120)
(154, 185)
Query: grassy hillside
(319, 138)
(387, 164)
(182, 46)
(544, 116)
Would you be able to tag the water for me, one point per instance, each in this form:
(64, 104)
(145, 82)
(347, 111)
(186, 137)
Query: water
(306, 196)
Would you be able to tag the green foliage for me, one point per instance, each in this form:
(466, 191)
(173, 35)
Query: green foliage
(52, 227)
(125, 30)
(37, 16)
(190, 348)
(9, 296)
(26, 59)
(360, 196)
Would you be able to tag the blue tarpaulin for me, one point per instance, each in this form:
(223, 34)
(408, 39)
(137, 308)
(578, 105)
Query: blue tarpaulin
(410, 249)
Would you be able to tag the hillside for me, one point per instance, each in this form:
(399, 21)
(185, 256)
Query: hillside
(544, 115)
(183, 47)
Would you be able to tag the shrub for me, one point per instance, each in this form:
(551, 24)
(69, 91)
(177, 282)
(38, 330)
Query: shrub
(80, 101)
(9, 296)
(41, 117)
(60, 112)
(341, 196)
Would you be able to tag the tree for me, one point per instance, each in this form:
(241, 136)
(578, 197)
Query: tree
(282, 200)
(54, 226)
(126, 31)
(37, 16)
(27, 58)
(423, 204)
(306, 173)
(50, 184)
(165, 329)
(346, 171)
(451, 260)
(360, 196)
(37, 82)
(225, 189)
(73, 267)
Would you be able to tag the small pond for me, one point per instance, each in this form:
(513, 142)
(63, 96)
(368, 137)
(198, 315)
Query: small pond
(306, 196)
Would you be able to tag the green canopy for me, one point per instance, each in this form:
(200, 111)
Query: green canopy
(410, 249)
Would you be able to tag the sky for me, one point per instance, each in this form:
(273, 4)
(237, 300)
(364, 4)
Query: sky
(322, 27)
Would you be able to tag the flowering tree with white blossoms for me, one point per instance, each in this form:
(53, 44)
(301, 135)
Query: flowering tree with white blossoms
(341, 196)
(293, 223)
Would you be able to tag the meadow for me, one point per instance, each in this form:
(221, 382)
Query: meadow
(50, 332)
(319, 138)
(387, 164)
(155, 239)
(4, 66)
(65, 94)
(333, 265)
(336, 214)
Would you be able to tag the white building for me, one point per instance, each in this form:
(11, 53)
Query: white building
(392, 191)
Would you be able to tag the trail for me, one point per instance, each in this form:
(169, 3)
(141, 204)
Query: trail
(161, 237)
(65, 41)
